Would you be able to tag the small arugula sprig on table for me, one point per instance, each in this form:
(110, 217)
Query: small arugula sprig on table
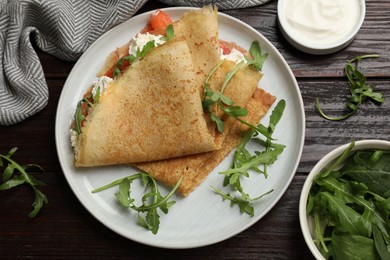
(359, 89)
(152, 200)
(244, 161)
(350, 204)
(11, 179)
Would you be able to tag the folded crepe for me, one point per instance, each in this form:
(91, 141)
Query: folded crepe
(153, 110)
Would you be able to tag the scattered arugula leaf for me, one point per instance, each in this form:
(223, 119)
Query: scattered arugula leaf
(145, 50)
(243, 204)
(96, 97)
(152, 200)
(273, 121)
(217, 97)
(169, 33)
(11, 179)
(225, 103)
(359, 89)
(258, 57)
(353, 203)
(78, 118)
(244, 162)
(140, 53)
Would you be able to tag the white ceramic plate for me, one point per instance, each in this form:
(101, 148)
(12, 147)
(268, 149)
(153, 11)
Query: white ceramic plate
(202, 218)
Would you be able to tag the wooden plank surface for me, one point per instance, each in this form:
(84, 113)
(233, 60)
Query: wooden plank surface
(65, 230)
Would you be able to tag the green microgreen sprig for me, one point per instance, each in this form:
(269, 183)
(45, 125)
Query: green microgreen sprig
(359, 89)
(79, 117)
(141, 53)
(244, 162)
(222, 101)
(258, 57)
(11, 179)
(225, 103)
(169, 33)
(152, 200)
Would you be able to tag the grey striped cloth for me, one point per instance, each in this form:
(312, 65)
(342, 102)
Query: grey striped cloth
(63, 28)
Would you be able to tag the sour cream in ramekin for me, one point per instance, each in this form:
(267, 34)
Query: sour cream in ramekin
(320, 26)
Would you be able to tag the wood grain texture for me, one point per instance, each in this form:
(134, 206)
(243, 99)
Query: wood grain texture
(65, 230)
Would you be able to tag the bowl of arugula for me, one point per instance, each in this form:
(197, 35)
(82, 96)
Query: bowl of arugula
(344, 206)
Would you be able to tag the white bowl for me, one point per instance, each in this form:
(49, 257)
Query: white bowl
(306, 221)
(316, 47)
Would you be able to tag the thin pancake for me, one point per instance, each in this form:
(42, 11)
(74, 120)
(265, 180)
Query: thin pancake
(200, 29)
(152, 112)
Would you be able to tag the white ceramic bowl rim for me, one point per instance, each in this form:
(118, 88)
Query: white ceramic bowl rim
(318, 48)
(326, 161)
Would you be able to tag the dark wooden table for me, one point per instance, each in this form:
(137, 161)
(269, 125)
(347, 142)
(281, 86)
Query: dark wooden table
(64, 229)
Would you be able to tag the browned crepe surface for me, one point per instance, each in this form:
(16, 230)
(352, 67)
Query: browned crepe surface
(200, 29)
(148, 118)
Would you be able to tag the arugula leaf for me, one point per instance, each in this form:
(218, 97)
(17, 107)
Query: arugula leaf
(140, 53)
(78, 117)
(267, 157)
(225, 103)
(96, 97)
(242, 204)
(145, 50)
(169, 33)
(258, 57)
(375, 176)
(346, 246)
(244, 162)
(11, 179)
(275, 117)
(359, 89)
(222, 101)
(152, 200)
(380, 243)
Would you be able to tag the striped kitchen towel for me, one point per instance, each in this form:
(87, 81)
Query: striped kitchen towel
(64, 29)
